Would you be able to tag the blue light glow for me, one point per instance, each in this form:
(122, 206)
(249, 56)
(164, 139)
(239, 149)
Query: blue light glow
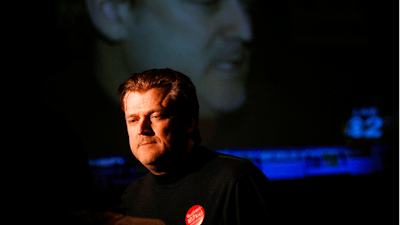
(355, 127)
(373, 125)
(107, 162)
(364, 124)
(299, 163)
(275, 163)
(365, 111)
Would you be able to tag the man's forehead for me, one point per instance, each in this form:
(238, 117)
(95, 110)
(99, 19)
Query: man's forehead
(154, 98)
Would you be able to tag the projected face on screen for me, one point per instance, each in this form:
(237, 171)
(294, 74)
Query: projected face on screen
(205, 40)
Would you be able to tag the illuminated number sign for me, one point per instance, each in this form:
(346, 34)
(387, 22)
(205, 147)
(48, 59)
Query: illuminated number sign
(365, 123)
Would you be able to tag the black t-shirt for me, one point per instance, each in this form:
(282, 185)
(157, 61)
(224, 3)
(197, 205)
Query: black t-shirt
(230, 190)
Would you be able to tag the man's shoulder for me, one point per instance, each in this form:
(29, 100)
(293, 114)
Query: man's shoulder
(234, 162)
(229, 166)
(226, 159)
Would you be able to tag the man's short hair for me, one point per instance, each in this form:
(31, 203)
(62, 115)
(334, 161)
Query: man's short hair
(180, 87)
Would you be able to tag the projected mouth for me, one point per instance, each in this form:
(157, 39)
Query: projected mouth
(229, 68)
(228, 65)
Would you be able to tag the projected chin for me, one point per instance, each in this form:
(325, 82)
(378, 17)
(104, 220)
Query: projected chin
(222, 88)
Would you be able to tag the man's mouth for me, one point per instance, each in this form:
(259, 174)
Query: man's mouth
(146, 143)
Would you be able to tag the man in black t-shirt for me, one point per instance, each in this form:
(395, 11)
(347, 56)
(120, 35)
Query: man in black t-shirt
(187, 183)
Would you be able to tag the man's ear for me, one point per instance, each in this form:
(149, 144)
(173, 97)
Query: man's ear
(109, 17)
(191, 125)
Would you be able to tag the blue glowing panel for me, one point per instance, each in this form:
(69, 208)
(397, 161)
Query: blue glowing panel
(365, 123)
(299, 163)
(275, 163)
(107, 162)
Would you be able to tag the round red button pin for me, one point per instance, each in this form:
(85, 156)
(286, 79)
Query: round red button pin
(195, 215)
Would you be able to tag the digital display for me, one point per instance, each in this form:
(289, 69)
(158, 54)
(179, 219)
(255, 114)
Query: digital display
(364, 123)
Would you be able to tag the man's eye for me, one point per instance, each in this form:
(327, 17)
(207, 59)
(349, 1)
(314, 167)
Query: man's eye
(132, 120)
(155, 117)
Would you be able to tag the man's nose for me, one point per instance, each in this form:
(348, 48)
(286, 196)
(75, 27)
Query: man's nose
(145, 127)
(236, 21)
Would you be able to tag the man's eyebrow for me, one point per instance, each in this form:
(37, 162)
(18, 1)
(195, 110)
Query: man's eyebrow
(130, 115)
(159, 109)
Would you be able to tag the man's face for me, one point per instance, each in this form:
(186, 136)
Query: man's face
(157, 136)
(202, 39)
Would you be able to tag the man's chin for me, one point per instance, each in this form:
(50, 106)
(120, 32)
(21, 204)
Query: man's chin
(150, 161)
(153, 161)
(157, 169)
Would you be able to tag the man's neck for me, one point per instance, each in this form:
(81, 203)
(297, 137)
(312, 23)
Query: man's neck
(173, 167)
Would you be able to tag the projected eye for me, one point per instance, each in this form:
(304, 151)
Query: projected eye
(206, 2)
(206, 5)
